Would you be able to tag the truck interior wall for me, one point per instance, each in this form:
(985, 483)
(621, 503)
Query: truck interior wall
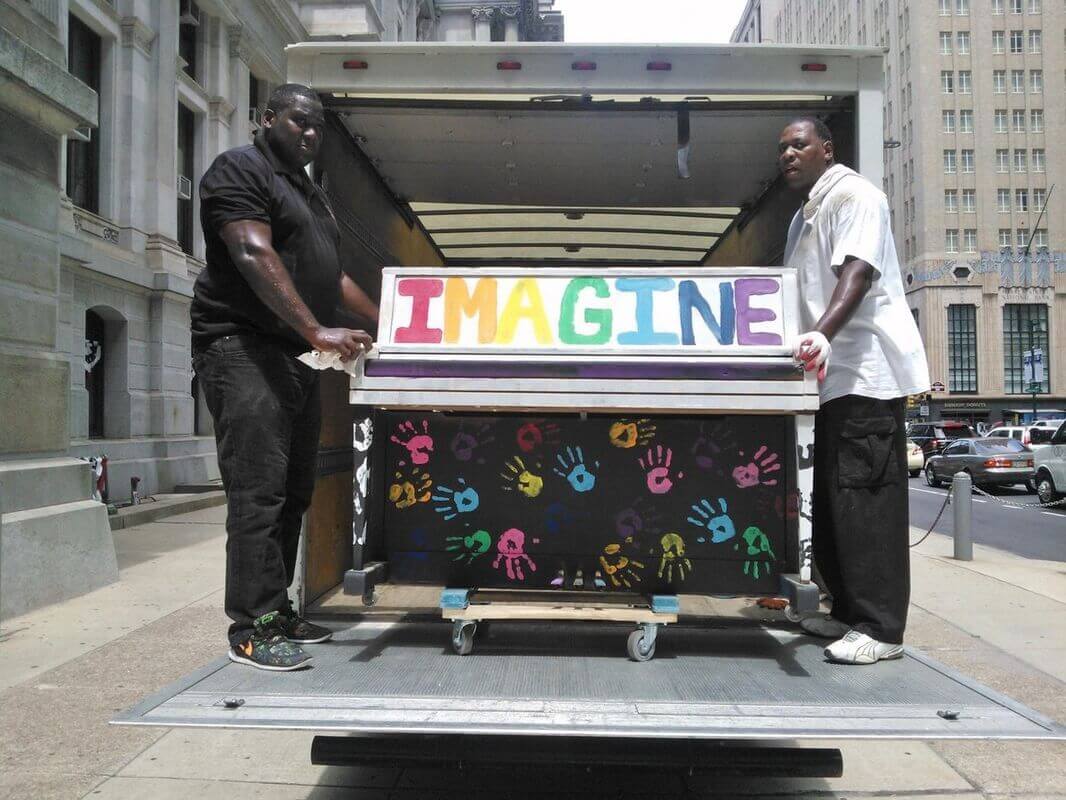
(758, 238)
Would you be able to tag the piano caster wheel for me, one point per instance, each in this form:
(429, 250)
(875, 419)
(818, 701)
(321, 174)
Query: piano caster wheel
(791, 614)
(463, 637)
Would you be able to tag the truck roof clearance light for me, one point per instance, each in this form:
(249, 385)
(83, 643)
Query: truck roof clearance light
(659, 66)
(356, 64)
(815, 68)
(508, 65)
(583, 66)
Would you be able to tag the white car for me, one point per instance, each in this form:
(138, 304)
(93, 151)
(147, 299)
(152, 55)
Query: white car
(1032, 436)
(915, 459)
(1050, 464)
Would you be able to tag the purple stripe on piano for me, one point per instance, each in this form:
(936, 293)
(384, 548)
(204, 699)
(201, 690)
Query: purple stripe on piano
(745, 371)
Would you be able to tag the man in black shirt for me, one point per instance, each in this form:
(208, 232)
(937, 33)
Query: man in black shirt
(269, 292)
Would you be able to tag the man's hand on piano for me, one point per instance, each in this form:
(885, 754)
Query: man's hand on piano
(812, 349)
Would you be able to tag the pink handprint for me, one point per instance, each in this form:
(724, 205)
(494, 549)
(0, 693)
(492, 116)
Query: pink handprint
(511, 549)
(755, 471)
(535, 433)
(418, 445)
(657, 469)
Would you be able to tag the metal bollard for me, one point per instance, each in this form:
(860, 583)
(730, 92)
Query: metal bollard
(962, 501)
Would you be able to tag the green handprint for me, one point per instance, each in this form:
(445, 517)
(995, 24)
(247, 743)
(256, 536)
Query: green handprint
(758, 544)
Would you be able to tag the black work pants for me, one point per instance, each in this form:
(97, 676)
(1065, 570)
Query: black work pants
(266, 410)
(861, 517)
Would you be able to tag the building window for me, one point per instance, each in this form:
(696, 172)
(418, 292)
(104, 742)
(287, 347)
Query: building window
(1016, 6)
(962, 348)
(999, 81)
(83, 158)
(945, 9)
(998, 42)
(1017, 120)
(1035, 43)
(95, 352)
(962, 43)
(1020, 161)
(945, 43)
(1036, 81)
(1016, 42)
(1003, 201)
(186, 169)
(1024, 327)
(1038, 160)
(969, 201)
(948, 118)
(1034, 6)
(256, 99)
(966, 120)
(1021, 238)
(967, 160)
(1039, 198)
(1002, 161)
(1004, 238)
(947, 85)
(189, 38)
(1017, 81)
(951, 201)
(1001, 120)
(997, 7)
(1040, 238)
(951, 240)
(965, 82)
(962, 7)
(1021, 200)
(949, 162)
(969, 240)
(1036, 120)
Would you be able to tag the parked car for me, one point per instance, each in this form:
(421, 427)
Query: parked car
(1049, 423)
(1050, 463)
(932, 437)
(990, 462)
(915, 459)
(1032, 436)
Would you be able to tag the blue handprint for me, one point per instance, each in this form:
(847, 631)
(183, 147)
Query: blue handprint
(574, 470)
(456, 501)
(719, 523)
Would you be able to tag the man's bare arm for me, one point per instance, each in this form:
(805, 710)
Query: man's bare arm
(355, 300)
(856, 278)
(250, 246)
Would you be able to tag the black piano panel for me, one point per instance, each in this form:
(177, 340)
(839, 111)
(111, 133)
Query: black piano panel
(663, 504)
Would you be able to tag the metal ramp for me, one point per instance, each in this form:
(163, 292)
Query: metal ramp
(732, 681)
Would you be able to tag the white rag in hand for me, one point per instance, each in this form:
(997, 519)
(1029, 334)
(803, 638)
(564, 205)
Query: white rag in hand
(330, 359)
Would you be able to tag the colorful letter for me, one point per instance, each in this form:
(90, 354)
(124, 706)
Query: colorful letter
(482, 304)
(746, 288)
(421, 291)
(595, 316)
(645, 289)
(532, 309)
(690, 299)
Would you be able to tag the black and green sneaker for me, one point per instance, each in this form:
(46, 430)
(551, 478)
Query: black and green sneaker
(299, 631)
(267, 647)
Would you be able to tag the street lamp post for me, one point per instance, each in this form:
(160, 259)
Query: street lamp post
(1033, 385)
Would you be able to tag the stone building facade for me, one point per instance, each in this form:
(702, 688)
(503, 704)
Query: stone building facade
(116, 108)
(973, 90)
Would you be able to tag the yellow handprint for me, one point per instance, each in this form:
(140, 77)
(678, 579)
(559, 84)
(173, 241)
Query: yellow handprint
(626, 433)
(404, 492)
(518, 476)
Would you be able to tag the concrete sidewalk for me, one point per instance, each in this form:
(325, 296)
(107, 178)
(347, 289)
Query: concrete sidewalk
(65, 670)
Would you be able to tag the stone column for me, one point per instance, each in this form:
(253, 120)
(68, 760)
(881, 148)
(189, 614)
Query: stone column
(510, 22)
(482, 23)
(239, 73)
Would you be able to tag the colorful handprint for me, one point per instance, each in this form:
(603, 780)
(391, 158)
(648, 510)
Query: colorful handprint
(536, 433)
(572, 467)
(673, 558)
(407, 490)
(756, 471)
(758, 544)
(469, 547)
(511, 550)
(715, 520)
(626, 433)
(469, 438)
(517, 476)
(453, 502)
(418, 445)
(656, 466)
(620, 569)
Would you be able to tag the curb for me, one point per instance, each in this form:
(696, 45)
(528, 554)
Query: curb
(165, 506)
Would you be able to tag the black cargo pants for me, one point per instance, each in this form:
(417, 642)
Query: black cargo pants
(265, 405)
(861, 516)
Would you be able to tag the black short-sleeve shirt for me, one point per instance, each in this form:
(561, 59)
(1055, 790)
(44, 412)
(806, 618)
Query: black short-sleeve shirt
(250, 183)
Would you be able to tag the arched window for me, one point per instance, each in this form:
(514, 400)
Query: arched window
(106, 373)
(95, 379)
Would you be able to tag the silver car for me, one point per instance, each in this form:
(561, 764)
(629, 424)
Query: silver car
(990, 462)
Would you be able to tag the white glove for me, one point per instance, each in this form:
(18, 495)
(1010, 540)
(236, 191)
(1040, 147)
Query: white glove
(318, 359)
(813, 350)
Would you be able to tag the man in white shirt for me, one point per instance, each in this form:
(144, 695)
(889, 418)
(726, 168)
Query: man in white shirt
(865, 345)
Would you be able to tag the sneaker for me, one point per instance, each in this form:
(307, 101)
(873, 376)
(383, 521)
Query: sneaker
(299, 631)
(858, 648)
(267, 647)
(825, 626)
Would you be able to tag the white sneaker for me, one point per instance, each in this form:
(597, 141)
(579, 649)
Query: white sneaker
(825, 626)
(858, 648)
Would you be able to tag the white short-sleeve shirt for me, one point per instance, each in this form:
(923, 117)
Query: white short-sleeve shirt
(878, 353)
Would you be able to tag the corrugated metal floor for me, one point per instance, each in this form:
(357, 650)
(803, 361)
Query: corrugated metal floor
(737, 681)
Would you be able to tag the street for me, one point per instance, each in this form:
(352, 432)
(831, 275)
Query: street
(1026, 532)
